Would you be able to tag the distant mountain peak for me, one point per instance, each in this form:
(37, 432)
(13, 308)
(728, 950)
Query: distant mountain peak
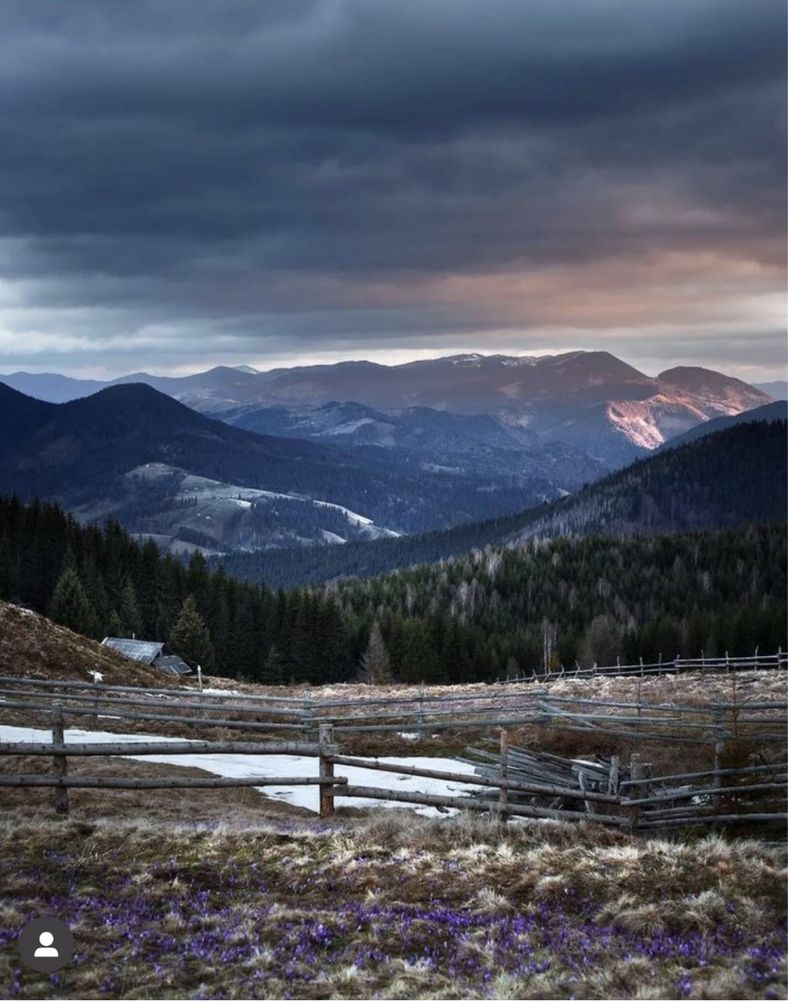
(695, 377)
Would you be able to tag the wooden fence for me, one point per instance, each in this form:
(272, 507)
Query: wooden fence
(521, 783)
(504, 704)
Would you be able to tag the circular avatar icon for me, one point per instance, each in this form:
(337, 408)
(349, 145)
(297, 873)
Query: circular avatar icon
(46, 944)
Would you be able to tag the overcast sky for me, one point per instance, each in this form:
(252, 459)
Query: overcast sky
(189, 183)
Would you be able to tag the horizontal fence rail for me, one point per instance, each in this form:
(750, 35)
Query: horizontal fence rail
(171, 782)
(73, 750)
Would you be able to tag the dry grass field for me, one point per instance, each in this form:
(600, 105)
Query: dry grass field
(392, 906)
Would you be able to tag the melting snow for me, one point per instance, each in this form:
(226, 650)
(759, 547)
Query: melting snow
(231, 765)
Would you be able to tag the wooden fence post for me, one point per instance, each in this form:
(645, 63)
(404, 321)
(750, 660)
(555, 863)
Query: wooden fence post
(59, 762)
(326, 741)
(635, 774)
(587, 803)
(201, 712)
(612, 781)
(503, 769)
(719, 749)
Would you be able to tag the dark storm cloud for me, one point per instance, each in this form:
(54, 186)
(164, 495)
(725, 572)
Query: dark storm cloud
(244, 174)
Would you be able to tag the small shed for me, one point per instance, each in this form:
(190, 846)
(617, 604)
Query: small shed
(148, 652)
(172, 664)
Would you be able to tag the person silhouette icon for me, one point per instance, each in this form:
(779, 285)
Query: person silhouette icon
(46, 944)
(45, 949)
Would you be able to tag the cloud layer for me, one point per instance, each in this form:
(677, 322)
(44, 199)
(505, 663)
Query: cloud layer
(182, 183)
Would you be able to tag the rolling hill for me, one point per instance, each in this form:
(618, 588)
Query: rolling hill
(733, 477)
(776, 411)
(168, 471)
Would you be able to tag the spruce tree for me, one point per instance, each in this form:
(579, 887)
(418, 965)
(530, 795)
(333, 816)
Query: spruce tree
(272, 670)
(114, 627)
(70, 605)
(190, 638)
(375, 663)
(130, 611)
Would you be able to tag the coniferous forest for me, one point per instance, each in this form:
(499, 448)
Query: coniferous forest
(477, 617)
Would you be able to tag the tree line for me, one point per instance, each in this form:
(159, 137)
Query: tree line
(478, 617)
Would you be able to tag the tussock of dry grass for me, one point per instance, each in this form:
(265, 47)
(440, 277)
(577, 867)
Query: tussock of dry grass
(393, 906)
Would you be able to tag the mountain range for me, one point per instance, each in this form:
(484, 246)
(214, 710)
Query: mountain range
(235, 460)
(189, 481)
(589, 400)
(733, 476)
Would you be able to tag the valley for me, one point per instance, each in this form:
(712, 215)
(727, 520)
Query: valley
(340, 454)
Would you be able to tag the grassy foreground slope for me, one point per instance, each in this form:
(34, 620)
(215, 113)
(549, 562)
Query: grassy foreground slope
(393, 908)
(32, 646)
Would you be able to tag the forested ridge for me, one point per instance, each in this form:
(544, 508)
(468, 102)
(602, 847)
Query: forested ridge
(732, 477)
(477, 617)
(590, 600)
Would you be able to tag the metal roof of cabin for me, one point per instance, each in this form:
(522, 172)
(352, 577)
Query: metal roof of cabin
(172, 664)
(143, 651)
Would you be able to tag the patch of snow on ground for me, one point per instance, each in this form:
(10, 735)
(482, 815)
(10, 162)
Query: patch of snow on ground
(232, 765)
(215, 691)
(333, 538)
(351, 426)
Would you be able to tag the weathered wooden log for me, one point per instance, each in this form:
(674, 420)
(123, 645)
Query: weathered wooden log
(105, 704)
(722, 771)
(712, 791)
(405, 700)
(636, 772)
(474, 724)
(503, 775)
(326, 744)
(703, 709)
(729, 818)
(65, 685)
(160, 717)
(59, 763)
(512, 785)
(469, 803)
(170, 782)
(635, 720)
(164, 747)
(613, 777)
